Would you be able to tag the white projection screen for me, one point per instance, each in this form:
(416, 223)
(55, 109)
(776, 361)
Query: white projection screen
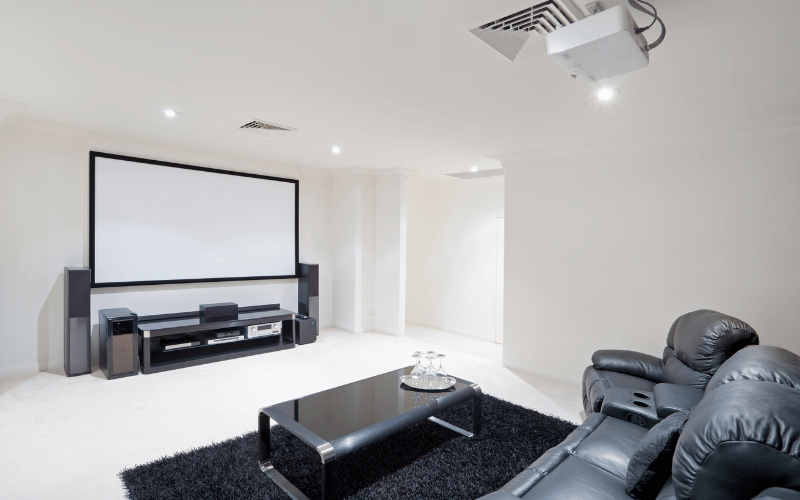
(153, 222)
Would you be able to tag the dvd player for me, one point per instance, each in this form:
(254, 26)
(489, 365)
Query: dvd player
(179, 343)
(223, 340)
(225, 334)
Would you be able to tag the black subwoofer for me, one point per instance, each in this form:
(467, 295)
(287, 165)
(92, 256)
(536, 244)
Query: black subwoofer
(119, 343)
(77, 327)
(306, 330)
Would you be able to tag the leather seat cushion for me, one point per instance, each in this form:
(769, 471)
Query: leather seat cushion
(593, 460)
(576, 479)
(611, 445)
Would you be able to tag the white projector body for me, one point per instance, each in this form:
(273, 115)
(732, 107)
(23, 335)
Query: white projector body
(599, 46)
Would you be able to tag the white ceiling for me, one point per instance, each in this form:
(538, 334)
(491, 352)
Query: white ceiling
(394, 83)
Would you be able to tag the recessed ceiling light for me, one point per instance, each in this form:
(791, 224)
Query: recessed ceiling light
(336, 150)
(474, 168)
(606, 94)
(171, 113)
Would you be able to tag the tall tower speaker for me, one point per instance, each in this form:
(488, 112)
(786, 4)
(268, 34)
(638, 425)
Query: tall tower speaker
(77, 327)
(308, 293)
(119, 343)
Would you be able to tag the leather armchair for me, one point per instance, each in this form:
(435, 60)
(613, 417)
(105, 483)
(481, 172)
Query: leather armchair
(741, 442)
(697, 344)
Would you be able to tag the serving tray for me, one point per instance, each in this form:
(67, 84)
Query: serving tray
(421, 383)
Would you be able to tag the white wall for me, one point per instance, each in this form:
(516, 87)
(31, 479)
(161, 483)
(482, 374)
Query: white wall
(452, 255)
(347, 251)
(390, 253)
(42, 191)
(315, 235)
(44, 223)
(605, 247)
(368, 221)
(368, 244)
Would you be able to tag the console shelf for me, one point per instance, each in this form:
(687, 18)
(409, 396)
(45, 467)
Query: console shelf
(153, 329)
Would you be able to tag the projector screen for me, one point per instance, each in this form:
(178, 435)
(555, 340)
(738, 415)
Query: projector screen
(153, 222)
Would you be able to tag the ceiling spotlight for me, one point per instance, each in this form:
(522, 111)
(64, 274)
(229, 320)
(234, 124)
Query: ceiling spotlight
(336, 150)
(474, 168)
(171, 113)
(607, 94)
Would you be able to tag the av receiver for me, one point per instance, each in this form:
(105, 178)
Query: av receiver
(265, 330)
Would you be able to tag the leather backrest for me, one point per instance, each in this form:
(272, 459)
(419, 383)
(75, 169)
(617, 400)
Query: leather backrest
(699, 342)
(759, 363)
(676, 372)
(742, 438)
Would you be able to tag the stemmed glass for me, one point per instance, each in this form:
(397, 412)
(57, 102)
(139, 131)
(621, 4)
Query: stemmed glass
(430, 371)
(418, 371)
(440, 373)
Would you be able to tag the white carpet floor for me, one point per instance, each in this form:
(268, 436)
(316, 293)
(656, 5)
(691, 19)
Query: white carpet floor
(66, 438)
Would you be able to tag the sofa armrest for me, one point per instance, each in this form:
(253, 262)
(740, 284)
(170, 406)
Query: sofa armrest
(630, 363)
(672, 398)
(778, 494)
(631, 406)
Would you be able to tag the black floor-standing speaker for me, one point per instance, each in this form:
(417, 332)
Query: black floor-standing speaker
(119, 343)
(308, 303)
(77, 327)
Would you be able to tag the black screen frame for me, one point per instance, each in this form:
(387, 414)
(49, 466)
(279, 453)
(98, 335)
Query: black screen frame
(98, 154)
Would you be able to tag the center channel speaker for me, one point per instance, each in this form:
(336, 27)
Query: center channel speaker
(77, 327)
(119, 343)
(308, 293)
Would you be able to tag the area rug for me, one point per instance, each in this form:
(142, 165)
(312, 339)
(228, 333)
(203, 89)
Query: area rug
(426, 461)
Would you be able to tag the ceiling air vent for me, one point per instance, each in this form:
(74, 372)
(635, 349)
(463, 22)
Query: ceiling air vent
(522, 30)
(479, 173)
(261, 127)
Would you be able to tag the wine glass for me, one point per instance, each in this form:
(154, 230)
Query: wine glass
(418, 371)
(440, 373)
(430, 371)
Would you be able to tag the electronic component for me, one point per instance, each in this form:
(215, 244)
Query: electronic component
(265, 330)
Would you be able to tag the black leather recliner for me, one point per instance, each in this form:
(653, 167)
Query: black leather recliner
(697, 344)
(741, 442)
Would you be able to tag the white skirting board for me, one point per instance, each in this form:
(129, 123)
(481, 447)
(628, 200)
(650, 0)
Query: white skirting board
(449, 330)
(553, 375)
(9, 371)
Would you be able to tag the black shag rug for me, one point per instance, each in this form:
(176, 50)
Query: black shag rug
(426, 461)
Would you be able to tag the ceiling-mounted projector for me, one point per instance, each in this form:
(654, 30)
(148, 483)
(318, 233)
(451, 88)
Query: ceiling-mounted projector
(603, 45)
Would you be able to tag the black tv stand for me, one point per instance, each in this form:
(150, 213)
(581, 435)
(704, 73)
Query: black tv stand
(191, 327)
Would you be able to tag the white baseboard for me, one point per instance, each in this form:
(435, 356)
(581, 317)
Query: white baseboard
(466, 333)
(543, 372)
(9, 371)
(347, 328)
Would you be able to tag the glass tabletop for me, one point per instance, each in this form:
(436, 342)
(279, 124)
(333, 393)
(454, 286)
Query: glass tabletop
(338, 412)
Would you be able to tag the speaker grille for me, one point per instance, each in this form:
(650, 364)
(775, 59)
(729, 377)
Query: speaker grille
(80, 284)
(79, 355)
(122, 354)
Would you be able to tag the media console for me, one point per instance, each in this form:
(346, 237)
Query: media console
(191, 330)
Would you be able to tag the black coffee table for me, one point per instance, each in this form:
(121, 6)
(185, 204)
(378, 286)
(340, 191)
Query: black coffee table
(344, 419)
